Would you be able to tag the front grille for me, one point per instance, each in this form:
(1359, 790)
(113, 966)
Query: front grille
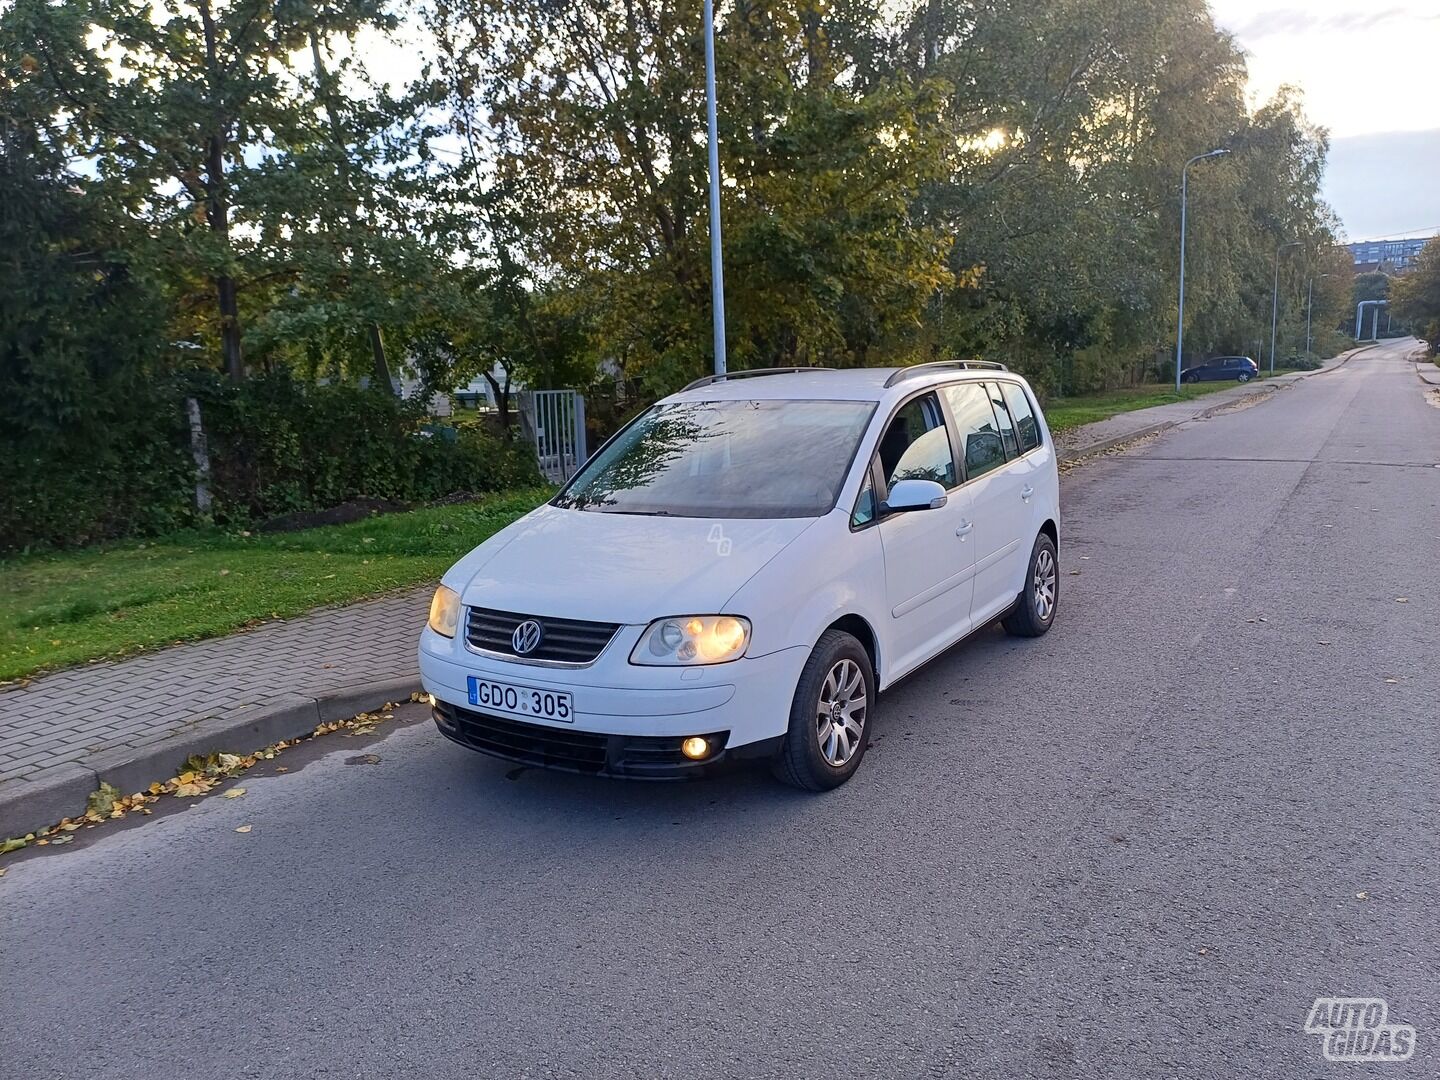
(564, 641)
(652, 757)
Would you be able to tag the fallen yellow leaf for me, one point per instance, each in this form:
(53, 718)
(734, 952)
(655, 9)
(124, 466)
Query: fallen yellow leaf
(243, 828)
(234, 793)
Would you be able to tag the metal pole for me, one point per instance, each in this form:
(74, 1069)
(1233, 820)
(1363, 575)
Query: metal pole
(717, 277)
(1180, 323)
(1274, 309)
(1180, 329)
(1309, 309)
(1275, 300)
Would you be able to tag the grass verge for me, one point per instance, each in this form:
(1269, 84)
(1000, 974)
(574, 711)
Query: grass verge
(64, 609)
(1064, 413)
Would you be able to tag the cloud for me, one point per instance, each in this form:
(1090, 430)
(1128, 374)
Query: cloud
(1300, 21)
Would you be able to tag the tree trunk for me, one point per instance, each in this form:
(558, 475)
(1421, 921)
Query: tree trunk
(217, 208)
(502, 401)
(377, 354)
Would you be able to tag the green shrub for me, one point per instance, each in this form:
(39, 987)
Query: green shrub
(277, 445)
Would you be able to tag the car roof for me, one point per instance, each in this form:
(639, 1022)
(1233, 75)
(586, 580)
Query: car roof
(822, 384)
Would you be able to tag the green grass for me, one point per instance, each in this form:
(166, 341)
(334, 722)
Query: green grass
(67, 608)
(1063, 413)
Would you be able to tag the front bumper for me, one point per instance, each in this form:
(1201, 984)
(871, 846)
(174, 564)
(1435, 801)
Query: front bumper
(639, 757)
(748, 700)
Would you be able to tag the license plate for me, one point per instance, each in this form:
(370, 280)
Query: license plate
(522, 700)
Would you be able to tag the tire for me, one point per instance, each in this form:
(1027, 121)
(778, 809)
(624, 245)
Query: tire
(1244, 376)
(1192, 379)
(1034, 610)
(838, 669)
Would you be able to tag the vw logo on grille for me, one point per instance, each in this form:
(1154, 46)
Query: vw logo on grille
(526, 638)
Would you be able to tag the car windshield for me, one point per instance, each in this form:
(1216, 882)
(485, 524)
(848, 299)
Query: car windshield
(725, 459)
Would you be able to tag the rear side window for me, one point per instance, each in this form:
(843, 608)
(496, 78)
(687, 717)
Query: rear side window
(978, 428)
(1002, 414)
(1027, 428)
(916, 445)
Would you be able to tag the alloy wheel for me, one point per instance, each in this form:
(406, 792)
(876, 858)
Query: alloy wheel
(1044, 584)
(840, 712)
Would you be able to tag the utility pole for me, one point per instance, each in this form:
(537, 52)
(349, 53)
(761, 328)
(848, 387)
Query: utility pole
(717, 275)
(1309, 309)
(1275, 300)
(1180, 324)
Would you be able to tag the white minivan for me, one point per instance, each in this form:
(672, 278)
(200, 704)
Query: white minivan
(744, 566)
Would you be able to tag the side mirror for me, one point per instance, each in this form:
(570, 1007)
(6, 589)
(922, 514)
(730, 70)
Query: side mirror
(914, 495)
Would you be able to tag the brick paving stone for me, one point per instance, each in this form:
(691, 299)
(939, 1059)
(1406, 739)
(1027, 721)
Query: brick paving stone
(57, 719)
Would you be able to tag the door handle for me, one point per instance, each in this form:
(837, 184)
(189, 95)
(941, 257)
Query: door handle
(965, 527)
(1026, 492)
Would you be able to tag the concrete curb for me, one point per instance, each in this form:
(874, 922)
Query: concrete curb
(1071, 457)
(1265, 387)
(60, 791)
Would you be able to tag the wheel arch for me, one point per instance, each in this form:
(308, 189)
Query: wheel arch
(1049, 529)
(860, 629)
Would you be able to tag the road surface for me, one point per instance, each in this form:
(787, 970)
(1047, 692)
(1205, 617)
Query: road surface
(1140, 846)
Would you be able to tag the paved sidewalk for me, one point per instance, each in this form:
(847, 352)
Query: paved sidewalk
(112, 720)
(132, 721)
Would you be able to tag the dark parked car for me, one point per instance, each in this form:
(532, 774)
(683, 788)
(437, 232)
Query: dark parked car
(1240, 368)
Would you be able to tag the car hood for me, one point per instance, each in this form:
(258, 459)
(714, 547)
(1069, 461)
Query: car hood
(625, 568)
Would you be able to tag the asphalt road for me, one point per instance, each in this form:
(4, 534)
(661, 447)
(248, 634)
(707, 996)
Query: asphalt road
(1132, 848)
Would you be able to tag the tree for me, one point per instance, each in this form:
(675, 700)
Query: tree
(83, 349)
(597, 134)
(1415, 296)
(192, 92)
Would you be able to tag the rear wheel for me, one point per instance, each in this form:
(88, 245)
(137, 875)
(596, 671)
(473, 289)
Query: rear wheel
(829, 718)
(1034, 609)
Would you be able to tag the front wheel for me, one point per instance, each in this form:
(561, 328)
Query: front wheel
(1244, 376)
(1034, 609)
(830, 715)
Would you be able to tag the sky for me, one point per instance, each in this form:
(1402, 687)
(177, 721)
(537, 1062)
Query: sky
(1367, 71)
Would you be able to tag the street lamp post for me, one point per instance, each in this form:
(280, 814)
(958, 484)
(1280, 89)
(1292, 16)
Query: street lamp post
(1309, 309)
(1275, 300)
(717, 277)
(1180, 327)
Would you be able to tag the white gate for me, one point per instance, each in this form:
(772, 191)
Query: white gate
(556, 422)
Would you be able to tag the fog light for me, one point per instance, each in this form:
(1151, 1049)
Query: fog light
(695, 748)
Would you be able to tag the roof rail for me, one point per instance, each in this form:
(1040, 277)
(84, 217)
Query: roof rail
(749, 374)
(938, 365)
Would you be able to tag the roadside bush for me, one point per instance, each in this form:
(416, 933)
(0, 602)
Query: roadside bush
(277, 445)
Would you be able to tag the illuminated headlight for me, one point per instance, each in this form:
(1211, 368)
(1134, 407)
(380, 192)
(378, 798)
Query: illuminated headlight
(692, 639)
(445, 611)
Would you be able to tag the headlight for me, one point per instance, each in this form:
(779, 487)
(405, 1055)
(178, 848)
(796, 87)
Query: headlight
(445, 611)
(692, 639)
